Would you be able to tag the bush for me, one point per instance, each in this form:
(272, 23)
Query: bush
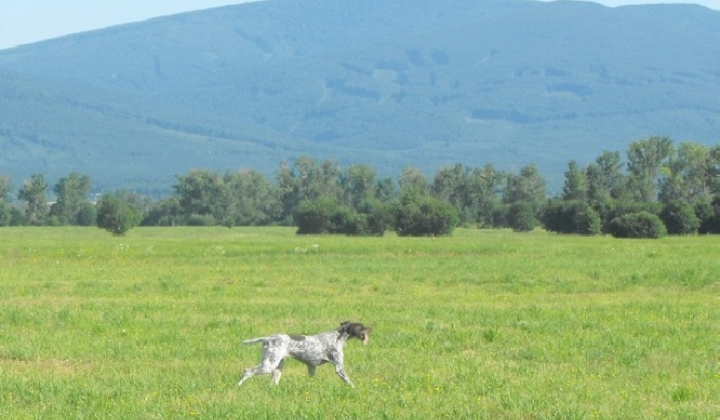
(638, 225)
(327, 216)
(425, 216)
(709, 215)
(17, 218)
(378, 219)
(521, 217)
(679, 218)
(201, 220)
(5, 214)
(313, 217)
(571, 217)
(114, 215)
(86, 215)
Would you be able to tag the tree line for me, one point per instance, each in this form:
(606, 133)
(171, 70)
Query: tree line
(660, 188)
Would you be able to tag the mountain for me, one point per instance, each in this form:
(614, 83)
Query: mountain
(390, 83)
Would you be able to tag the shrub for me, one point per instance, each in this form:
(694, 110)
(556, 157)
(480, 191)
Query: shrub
(521, 217)
(571, 217)
(425, 216)
(327, 216)
(114, 215)
(709, 215)
(679, 218)
(378, 219)
(86, 215)
(201, 220)
(638, 225)
(313, 217)
(5, 214)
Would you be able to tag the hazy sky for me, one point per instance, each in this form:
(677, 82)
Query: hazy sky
(26, 21)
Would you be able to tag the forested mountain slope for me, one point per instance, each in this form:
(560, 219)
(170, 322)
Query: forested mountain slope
(385, 82)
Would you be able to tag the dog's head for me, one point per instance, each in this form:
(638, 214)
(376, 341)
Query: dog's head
(355, 330)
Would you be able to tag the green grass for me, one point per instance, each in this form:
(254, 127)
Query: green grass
(484, 324)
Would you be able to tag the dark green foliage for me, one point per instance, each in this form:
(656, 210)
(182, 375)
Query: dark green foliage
(327, 216)
(5, 214)
(71, 193)
(17, 218)
(379, 218)
(5, 188)
(680, 218)
(86, 214)
(201, 220)
(167, 212)
(114, 215)
(500, 216)
(617, 209)
(638, 225)
(709, 215)
(571, 217)
(521, 217)
(421, 215)
(34, 193)
(10, 215)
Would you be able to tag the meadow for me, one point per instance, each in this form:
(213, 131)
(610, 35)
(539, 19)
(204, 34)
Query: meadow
(485, 324)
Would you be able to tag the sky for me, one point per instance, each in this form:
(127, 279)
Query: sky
(27, 21)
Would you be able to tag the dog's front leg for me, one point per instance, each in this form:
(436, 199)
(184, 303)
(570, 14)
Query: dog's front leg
(340, 370)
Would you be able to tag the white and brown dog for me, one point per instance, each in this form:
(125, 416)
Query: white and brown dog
(313, 350)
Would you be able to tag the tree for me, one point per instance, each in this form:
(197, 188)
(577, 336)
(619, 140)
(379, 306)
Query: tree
(527, 186)
(686, 175)
(203, 193)
(114, 215)
(166, 212)
(256, 201)
(485, 185)
(412, 179)
(575, 187)
(452, 184)
(709, 215)
(605, 180)
(5, 209)
(289, 193)
(713, 171)
(647, 160)
(34, 192)
(358, 185)
(307, 180)
(316, 181)
(71, 193)
(5, 188)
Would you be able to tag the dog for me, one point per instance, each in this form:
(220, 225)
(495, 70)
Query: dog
(313, 350)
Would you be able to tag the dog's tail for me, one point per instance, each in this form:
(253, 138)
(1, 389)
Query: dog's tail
(255, 340)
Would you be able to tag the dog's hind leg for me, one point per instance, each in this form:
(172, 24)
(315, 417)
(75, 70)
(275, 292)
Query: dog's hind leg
(277, 372)
(265, 367)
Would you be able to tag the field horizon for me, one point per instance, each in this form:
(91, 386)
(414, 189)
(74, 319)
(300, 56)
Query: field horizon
(482, 324)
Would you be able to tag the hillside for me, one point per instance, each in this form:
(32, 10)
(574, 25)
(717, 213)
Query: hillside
(385, 82)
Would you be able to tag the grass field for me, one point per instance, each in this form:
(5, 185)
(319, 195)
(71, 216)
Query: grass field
(483, 324)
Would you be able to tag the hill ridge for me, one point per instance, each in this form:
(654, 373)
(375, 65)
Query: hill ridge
(388, 83)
